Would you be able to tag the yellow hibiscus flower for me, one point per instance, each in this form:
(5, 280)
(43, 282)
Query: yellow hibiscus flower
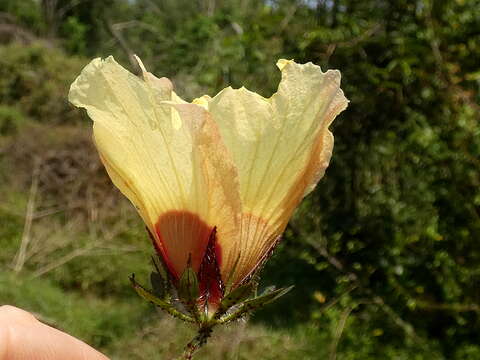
(216, 180)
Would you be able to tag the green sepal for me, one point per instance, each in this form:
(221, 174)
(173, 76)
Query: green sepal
(160, 267)
(162, 304)
(160, 279)
(188, 290)
(235, 297)
(256, 280)
(253, 304)
(158, 285)
(268, 290)
(229, 284)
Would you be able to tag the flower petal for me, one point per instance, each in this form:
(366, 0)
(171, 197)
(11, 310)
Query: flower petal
(281, 147)
(147, 138)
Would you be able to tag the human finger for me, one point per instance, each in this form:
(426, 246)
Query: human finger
(23, 337)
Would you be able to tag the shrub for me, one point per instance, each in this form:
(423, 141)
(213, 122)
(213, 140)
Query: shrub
(36, 79)
(10, 119)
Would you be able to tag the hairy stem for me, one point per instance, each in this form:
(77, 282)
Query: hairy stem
(196, 343)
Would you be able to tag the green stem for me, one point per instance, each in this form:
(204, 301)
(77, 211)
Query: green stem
(196, 343)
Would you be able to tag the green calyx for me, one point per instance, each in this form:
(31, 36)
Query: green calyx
(184, 300)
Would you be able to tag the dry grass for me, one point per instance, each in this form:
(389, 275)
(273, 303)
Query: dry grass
(69, 195)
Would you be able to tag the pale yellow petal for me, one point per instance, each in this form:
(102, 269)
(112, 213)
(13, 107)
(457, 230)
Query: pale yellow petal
(220, 177)
(281, 147)
(149, 148)
(202, 101)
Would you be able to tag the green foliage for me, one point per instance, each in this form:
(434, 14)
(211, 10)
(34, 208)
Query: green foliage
(396, 208)
(75, 36)
(36, 79)
(92, 319)
(10, 119)
(10, 234)
(26, 13)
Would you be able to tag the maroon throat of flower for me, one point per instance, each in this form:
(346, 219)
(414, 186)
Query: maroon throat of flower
(208, 261)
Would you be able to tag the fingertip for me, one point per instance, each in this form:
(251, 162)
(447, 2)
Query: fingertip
(9, 313)
(23, 337)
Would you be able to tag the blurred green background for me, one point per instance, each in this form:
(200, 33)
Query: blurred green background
(385, 254)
